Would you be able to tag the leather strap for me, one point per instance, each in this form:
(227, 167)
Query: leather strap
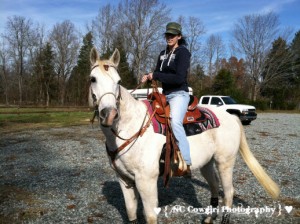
(140, 132)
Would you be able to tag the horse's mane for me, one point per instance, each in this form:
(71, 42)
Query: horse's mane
(126, 96)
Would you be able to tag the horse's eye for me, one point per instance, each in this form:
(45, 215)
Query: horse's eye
(93, 79)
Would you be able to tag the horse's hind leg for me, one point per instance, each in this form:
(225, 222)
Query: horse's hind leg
(131, 198)
(209, 174)
(226, 170)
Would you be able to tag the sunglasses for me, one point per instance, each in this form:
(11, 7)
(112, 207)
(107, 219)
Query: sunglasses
(169, 35)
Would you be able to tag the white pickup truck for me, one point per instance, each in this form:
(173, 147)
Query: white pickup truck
(246, 113)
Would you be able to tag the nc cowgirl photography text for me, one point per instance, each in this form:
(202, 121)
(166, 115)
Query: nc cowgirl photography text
(275, 210)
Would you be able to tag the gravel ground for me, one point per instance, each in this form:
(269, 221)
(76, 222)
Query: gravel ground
(62, 175)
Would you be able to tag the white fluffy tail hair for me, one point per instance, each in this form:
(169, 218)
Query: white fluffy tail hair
(269, 185)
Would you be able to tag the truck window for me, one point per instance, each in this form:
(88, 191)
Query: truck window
(216, 101)
(205, 100)
(228, 100)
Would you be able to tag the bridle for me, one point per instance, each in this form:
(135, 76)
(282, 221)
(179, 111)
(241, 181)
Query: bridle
(139, 133)
(113, 154)
(117, 98)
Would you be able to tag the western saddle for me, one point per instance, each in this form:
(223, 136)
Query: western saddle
(173, 162)
(160, 104)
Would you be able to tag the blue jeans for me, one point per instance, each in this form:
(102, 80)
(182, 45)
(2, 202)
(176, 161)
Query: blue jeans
(179, 101)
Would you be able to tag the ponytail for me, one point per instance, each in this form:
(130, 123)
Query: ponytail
(182, 41)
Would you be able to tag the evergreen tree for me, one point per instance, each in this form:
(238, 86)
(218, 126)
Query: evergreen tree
(49, 74)
(44, 85)
(277, 65)
(78, 82)
(127, 78)
(295, 80)
(127, 75)
(277, 74)
(196, 80)
(224, 84)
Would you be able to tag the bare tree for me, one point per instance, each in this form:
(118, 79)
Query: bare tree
(220, 53)
(142, 22)
(193, 30)
(210, 52)
(213, 51)
(4, 70)
(19, 37)
(65, 46)
(253, 35)
(38, 67)
(103, 27)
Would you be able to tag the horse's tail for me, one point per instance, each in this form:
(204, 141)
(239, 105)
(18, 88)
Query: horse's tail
(269, 185)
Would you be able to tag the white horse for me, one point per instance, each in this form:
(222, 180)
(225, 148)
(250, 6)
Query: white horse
(137, 161)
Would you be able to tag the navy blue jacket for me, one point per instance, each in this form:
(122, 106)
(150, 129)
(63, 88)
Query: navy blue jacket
(172, 72)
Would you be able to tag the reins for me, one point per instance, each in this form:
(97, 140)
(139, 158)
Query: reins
(171, 145)
(138, 86)
(139, 133)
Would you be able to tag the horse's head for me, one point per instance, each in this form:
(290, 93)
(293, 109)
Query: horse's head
(104, 87)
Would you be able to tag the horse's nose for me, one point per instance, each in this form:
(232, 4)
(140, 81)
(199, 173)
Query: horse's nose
(108, 115)
(103, 113)
(106, 112)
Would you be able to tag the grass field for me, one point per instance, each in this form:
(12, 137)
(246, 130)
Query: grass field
(16, 119)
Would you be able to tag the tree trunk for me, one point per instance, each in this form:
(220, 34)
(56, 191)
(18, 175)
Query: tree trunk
(20, 90)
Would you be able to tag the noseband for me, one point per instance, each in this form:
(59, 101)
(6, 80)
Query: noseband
(111, 93)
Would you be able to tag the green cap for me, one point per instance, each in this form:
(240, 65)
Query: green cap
(173, 28)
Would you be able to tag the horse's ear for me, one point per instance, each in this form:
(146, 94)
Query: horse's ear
(94, 56)
(115, 58)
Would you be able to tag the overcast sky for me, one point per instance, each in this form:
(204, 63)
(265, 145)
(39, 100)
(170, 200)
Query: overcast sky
(218, 16)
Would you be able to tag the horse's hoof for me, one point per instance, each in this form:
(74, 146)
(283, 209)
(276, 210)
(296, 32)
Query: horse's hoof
(208, 220)
(225, 218)
(133, 222)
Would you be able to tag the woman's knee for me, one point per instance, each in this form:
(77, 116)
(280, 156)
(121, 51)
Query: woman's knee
(176, 124)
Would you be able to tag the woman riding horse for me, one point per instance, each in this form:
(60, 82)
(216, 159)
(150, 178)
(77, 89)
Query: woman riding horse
(134, 148)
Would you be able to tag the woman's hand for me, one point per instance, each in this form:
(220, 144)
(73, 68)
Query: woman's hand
(146, 77)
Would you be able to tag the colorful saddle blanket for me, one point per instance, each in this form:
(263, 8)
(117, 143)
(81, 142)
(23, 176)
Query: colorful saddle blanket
(208, 120)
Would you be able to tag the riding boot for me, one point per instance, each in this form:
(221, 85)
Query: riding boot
(188, 173)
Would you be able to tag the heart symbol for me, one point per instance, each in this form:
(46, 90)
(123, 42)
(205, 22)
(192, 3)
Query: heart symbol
(288, 208)
(157, 210)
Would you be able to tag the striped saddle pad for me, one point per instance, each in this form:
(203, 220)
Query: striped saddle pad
(208, 120)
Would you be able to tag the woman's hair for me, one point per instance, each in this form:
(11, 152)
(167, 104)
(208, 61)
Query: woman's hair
(182, 41)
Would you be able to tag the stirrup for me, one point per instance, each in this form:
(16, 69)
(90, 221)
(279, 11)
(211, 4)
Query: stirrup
(188, 173)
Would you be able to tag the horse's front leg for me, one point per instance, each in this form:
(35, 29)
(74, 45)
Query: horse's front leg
(147, 188)
(131, 200)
